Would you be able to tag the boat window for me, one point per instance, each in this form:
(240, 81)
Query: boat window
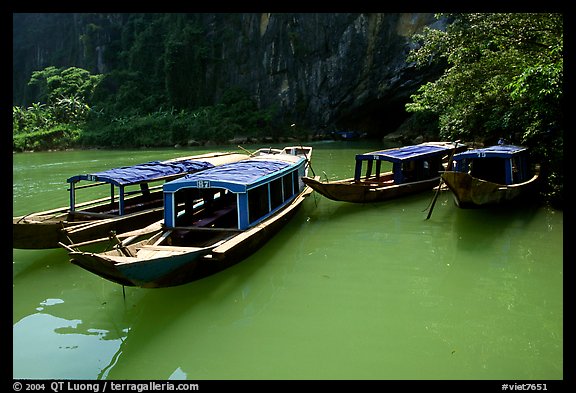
(144, 187)
(378, 169)
(276, 195)
(288, 183)
(435, 166)
(369, 168)
(296, 181)
(428, 168)
(425, 169)
(489, 169)
(185, 201)
(462, 165)
(205, 207)
(258, 205)
(518, 170)
(409, 171)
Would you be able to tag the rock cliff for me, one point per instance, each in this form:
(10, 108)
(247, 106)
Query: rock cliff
(320, 69)
(328, 70)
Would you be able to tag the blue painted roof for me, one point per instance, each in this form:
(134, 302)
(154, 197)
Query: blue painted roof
(235, 176)
(405, 153)
(149, 171)
(499, 151)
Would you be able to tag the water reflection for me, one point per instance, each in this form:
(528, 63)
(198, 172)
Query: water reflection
(71, 318)
(180, 322)
(479, 229)
(74, 353)
(343, 292)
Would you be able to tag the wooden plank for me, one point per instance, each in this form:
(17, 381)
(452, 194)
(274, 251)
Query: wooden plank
(210, 229)
(169, 248)
(206, 221)
(161, 238)
(93, 214)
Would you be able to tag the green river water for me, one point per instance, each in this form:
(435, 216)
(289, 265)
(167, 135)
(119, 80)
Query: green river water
(343, 292)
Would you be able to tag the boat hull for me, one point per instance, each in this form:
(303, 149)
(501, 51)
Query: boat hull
(471, 192)
(350, 191)
(175, 268)
(93, 220)
(29, 233)
(171, 266)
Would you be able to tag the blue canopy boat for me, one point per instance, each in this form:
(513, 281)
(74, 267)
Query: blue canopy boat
(491, 175)
(212, 219)
(413, 169)
(134, 200)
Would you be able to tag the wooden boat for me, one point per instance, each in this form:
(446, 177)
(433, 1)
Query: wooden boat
(491, 175)
(212, 220)
(134, 200)
(414, 168)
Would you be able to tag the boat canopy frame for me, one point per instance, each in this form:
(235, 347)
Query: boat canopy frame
(141, 174)
(403, 161)
(262, 185)
(502, 164)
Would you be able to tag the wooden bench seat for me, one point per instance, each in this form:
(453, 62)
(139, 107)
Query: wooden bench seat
(168, 248)
(207, 221)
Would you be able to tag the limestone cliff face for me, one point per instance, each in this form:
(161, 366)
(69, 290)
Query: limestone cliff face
(346, 70)
(320, 69)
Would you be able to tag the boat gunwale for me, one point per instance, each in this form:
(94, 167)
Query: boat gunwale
(125, 209)
(216, 251)
(534, 177)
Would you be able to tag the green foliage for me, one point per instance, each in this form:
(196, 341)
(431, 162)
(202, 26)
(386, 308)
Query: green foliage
(503, 78)
(57, 122)
(56, 83)
(497, 64)
(35, 117)
(186, 58)
(158, 89)
(125, 116)
(70, 110)
(236, 116)
(59, 136)
(38, 117)
(39, 81)
(126, 93)
(162, 62)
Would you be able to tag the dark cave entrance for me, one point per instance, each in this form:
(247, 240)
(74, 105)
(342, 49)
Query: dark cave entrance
(376, 118)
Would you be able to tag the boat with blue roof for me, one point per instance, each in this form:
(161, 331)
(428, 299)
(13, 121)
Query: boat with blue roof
(391, 173)
(132, 199)
(491, 175)
(212, 219)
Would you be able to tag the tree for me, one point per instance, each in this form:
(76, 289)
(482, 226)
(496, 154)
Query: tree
(498, 66)
(503, 78)
(57, 83)
(65, 93)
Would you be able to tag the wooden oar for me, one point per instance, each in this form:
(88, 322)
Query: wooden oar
(246, 150)
(448, 167)
(307, 160)
(127, 236)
